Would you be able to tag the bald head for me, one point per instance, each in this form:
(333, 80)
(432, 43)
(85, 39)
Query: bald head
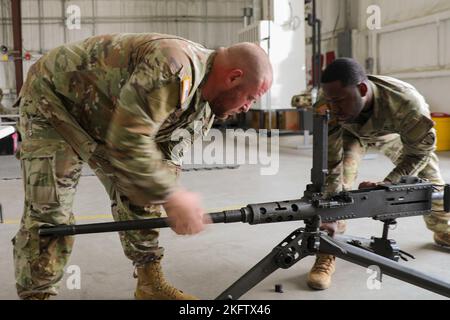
(240, 75)
(252, 60)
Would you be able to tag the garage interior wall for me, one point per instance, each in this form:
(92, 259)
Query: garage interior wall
(413, 43)
(212, 23)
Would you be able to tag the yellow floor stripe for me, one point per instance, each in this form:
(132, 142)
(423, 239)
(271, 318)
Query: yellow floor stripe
(109, 216)
(7, 221)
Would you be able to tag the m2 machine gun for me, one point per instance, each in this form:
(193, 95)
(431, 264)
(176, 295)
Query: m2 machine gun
(386, 203)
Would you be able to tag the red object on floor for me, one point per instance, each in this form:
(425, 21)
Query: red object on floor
(9, 145)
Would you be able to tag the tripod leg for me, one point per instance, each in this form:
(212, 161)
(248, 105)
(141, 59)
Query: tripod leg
(365, 258)
(255, 275)
(286, 254)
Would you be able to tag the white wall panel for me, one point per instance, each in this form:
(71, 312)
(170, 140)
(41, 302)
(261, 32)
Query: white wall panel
(393, 11)
(109, 7)
(417, 51)
(53, 8)
(86, 6)
(29, 8)
(53, 36)
(410, 49)
(406, 46)
(435, 91)
(103, 28)
(29, 35)
(77, 35)
(445, 36)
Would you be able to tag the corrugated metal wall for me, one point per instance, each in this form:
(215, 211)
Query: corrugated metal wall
(413, 50)
(210, 22)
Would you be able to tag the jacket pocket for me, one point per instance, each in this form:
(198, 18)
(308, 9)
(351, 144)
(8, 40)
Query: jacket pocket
(39, 177)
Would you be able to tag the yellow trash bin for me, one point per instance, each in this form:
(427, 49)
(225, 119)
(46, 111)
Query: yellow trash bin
(442, 126)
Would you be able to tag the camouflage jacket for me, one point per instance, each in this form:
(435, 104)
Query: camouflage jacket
(127, 93)
(398, 108)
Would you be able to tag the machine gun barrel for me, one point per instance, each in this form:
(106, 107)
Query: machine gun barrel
(229, 216)
(382, 203)
(252, 214)
(66, 230)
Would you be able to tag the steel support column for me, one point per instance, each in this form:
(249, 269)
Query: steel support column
(17, 38)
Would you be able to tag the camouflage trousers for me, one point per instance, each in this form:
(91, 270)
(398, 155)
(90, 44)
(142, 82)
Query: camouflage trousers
(392, 146)
(51, 171)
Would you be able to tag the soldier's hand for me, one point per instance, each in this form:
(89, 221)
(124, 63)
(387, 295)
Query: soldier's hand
(185, 213)
(329, 227)
(323, 109)
(367, 185)
(333, 228)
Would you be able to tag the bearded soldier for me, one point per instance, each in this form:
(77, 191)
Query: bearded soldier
(113, 101)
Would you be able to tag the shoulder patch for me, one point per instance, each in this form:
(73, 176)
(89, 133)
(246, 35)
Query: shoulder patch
(416, 129)
(186, 83)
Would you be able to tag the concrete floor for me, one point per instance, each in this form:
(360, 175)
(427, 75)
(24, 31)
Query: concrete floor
(206, 264)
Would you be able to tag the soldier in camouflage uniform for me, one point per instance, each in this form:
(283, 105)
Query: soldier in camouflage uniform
(386, 114)
(113, 102)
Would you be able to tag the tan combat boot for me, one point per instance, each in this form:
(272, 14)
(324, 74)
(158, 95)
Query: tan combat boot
(319, 278)
(442, 239)
(151, 285)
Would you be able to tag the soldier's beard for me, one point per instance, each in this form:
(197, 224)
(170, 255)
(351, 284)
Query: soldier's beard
(223, 104)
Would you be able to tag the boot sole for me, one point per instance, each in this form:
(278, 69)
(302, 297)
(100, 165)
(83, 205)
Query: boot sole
(318, 288)
(442, 245)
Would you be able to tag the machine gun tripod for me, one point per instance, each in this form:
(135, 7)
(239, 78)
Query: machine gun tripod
(303, 242)
(386, 203)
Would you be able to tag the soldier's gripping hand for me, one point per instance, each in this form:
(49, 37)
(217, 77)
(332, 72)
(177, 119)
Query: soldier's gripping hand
(333, 228)
(185, 213)
(369, 185)
(329, 227)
